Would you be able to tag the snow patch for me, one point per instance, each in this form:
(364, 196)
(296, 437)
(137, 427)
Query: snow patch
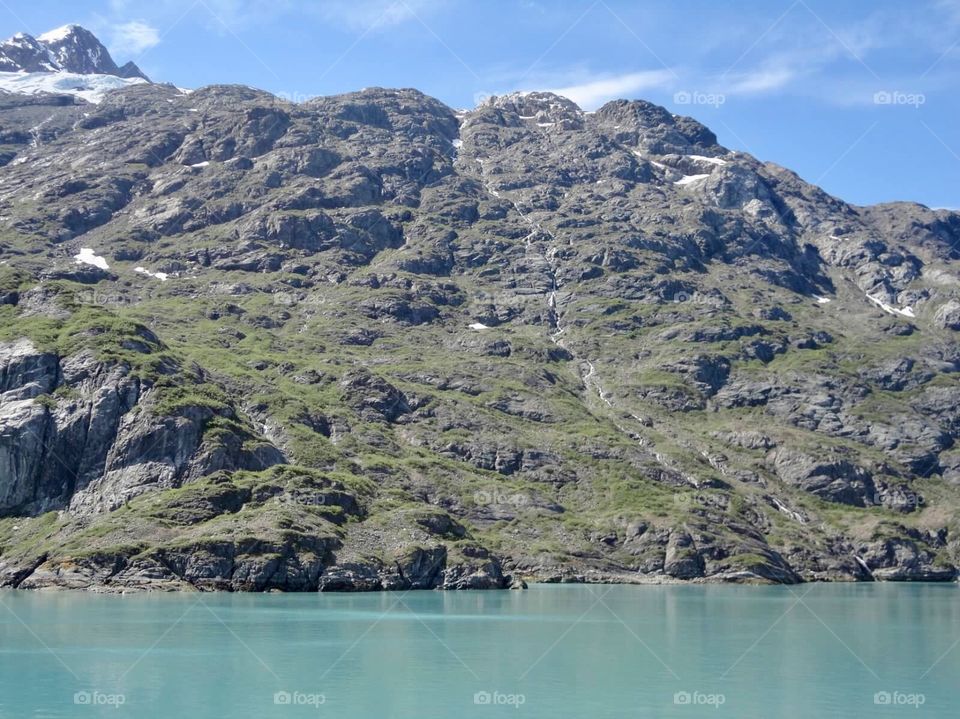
(823, 300)
(711, 160)
(690, 179)
(87, 257)
(641, 155)
(60, 33)
(205, 163)
(889, 309)
(91, 88)
(162, 276)
(457, 144)
(653, 162)
(478, 326)
(35, 131)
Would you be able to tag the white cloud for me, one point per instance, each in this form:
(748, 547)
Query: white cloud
(133, 38)
(760, 81)
(846, 63)
(593, 93)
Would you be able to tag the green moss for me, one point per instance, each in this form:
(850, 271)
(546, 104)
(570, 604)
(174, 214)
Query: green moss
(174, 399)
(47, 400)
(747, 560)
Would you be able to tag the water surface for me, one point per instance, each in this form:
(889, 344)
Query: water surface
(552, 651)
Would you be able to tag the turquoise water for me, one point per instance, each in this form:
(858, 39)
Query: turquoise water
(552, 651)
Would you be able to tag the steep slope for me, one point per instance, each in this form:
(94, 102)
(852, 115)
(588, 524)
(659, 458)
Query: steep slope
(521, 339)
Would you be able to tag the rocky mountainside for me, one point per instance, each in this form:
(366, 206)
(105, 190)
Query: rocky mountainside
(71, 48)
(369, 341)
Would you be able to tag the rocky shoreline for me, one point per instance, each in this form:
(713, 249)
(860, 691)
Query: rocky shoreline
(423, 569)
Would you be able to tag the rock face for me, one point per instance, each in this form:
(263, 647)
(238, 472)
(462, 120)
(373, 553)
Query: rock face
(24, 53)
(70, 48)
(83, 434)
(367, 342)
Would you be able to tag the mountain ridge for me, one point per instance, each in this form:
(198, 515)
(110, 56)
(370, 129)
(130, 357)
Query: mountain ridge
(369, 342)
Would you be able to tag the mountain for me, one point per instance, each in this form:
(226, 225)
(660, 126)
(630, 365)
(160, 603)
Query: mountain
(70, 48)
(68, 60)
(77, 50)
(372, 342)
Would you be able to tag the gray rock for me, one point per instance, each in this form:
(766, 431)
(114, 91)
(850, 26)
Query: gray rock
(835, 480)
(682, 560)
(84, 447)
(948, 315)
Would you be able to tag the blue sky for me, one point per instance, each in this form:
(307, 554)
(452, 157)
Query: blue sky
(859, 96)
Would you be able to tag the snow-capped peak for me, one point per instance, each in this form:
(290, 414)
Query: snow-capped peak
(70, 48)
(78, 50)
(59, 34)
